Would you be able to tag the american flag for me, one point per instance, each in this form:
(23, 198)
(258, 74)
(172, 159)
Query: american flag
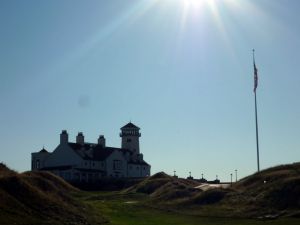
(255, 77)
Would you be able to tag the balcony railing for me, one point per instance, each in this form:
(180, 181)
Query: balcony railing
(123, 134)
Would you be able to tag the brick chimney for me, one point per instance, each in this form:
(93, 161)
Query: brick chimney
(80, 138)
(101, 141)
(64, 137)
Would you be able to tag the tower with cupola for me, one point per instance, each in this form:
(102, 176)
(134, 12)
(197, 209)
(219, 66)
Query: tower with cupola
(130, 135)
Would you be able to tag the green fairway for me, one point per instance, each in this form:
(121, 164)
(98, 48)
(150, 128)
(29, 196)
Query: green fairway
(121, 209)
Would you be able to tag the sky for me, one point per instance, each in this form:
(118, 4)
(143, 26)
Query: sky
(181, 70)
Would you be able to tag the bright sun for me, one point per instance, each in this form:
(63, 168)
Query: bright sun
(193, 3)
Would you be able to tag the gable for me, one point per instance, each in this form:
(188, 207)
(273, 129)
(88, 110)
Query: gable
(116, 155)
(63, 155)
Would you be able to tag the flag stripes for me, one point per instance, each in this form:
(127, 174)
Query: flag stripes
(255, 77)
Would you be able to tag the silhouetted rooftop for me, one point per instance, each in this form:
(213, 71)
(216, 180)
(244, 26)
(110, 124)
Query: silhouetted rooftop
(130, 125)
(99, 153)
(43, 151)
(143, 163)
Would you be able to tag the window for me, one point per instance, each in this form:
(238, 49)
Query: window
(117, 164)
(128, 140)
(37, 164)
(67, 176)
(76, 176)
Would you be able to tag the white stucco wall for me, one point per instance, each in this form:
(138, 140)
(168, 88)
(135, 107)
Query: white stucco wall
(133, 145)
(136, 170)
(92, 164)
(113, 172)
(38, 156)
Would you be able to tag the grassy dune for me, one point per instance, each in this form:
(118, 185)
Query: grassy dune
(274, 192)
(164, 188)
(269, 197)
(41, 198)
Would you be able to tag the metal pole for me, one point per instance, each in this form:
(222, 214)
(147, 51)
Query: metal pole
(256, 122)
(235, 175)
(257, 144)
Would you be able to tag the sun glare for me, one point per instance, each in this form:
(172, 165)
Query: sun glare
(193, 3)
(212, 11)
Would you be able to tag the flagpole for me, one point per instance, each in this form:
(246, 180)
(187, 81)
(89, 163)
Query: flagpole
(257, 145)
(256, 122)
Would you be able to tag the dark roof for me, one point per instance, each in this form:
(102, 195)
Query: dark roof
(43, 151)
(89, 151)
(130, 125)
(143, 163)
(124, 151)
(85, 146)
(99, 153)
(81, 150)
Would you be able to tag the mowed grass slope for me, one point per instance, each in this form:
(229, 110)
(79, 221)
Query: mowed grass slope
(134, 209)
(41, 198)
